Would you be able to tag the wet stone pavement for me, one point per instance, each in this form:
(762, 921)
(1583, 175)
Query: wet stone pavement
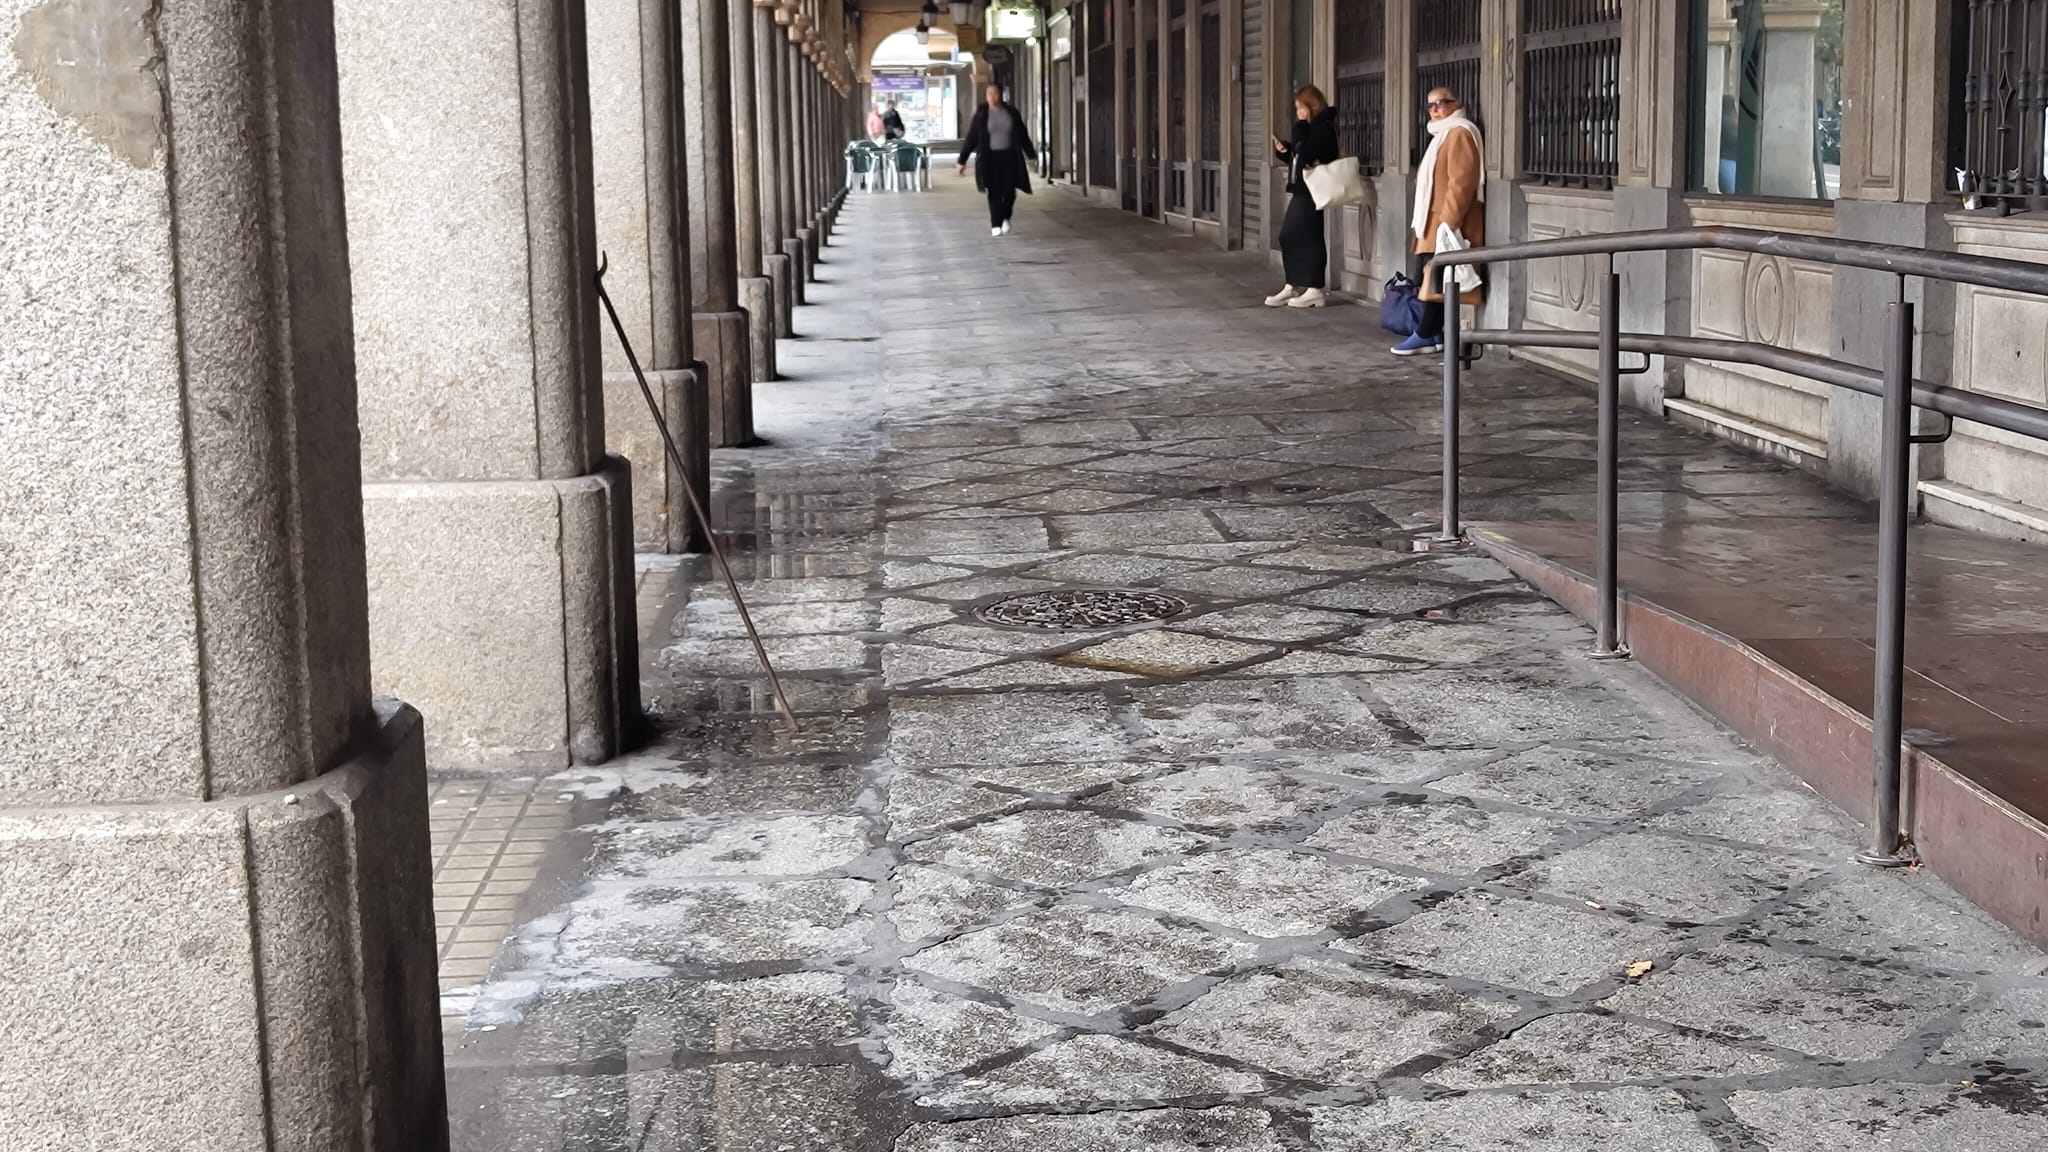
(1356, 852)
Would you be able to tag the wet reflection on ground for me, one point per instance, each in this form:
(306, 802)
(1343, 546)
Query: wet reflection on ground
(1358, 852)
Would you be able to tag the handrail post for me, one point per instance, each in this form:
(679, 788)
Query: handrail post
(1454, 359)
(1887, 720)
(1606, 643)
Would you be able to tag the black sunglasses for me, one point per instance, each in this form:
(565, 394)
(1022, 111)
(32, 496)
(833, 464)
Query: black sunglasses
(1441, 103)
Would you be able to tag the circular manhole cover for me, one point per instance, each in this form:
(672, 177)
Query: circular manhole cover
(1086, 610)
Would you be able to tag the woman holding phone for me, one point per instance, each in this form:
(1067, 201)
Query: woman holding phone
(1303, 254)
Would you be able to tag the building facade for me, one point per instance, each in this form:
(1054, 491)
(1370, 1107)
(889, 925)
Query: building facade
(1902, 121)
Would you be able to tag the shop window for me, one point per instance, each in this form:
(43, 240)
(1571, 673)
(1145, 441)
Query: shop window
(1767, 98)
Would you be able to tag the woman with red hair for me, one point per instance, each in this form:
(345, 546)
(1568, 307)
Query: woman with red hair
(1303, 254)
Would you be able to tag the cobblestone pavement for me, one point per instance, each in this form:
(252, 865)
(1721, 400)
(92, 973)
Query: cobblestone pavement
(1357, 851)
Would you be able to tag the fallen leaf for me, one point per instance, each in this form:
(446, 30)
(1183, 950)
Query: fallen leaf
(1596, 905)
(1639, 969)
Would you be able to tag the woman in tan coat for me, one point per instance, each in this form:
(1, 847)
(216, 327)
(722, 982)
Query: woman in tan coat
(1450, 188)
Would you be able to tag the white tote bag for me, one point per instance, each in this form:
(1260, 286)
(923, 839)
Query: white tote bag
(1449, 239)
(1335, 183)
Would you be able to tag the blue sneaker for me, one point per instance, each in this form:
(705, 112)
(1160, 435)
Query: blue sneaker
(1419, 346)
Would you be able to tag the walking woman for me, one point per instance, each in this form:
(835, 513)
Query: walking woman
(1303, 253)
(1002, 152)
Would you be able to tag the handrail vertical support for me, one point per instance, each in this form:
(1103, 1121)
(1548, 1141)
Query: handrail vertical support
(1887, 719)
(1451, 531)
(1606, 642)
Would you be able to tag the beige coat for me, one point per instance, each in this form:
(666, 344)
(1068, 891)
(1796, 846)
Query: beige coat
(1454, 200)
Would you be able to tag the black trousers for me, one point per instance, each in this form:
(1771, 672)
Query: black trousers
(1002, 204)
(1304, 254)
(1432, 310)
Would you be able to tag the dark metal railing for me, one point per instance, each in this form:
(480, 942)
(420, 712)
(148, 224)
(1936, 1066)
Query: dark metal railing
(2004, 96)
(1894, 384)
(1571, 90)
(1448, 51)
(1177, 189)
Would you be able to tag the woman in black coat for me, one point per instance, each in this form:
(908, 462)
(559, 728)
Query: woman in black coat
(1002, 150)
(1303, 253)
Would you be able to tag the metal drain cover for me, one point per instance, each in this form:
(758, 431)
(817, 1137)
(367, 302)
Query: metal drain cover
(1086, 610)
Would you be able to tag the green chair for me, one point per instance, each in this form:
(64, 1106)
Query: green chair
(863, 164)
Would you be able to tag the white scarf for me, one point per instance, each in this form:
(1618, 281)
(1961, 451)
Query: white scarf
(1425, 175)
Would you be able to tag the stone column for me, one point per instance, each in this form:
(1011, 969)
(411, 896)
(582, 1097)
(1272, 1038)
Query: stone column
(215, 881)
(801, 160)
(637, 167)
(1897, 83)
(721, 328)
(775, 261)
(499, 532)
(787, 151)
(756, 290)
(1649, 191)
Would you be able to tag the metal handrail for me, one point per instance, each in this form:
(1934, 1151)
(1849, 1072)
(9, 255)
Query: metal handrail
(1894, 384)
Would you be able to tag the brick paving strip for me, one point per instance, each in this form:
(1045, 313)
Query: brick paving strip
(1357, 852)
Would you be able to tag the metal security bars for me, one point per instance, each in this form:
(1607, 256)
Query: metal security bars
(1448, 50)
(1362, 82)
(2005, 103)
(1101, 65)
(1571, 90)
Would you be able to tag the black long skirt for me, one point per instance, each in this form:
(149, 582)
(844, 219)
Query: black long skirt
(1303, 252)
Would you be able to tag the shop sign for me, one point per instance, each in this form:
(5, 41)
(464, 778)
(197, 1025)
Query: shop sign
(1012, 23)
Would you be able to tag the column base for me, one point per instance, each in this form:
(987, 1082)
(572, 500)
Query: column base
(799, 253)
(504, 611)
(757, 300)
(663, 520)
(721, 339)
(812, 237)
(216, 976)
(777, 267)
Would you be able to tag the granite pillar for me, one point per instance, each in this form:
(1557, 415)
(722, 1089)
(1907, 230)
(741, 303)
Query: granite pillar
(499, 531)
(638, 175)
(720, 326)
(215, 880)
(756, 290)
(801, 160)
(775, 230)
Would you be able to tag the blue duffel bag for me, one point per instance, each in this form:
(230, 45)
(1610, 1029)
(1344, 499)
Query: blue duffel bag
(1401, 306)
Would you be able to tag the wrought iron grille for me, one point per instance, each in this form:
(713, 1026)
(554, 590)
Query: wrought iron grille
(1571, 90)
(1212, 84)
(2005, 103)
(1448, 49)
(1101, 65)
(1362, 82)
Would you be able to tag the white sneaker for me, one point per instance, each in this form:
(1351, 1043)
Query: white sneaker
(997, 231)
(1313, 298)
(1006, 227)
(1286, 293)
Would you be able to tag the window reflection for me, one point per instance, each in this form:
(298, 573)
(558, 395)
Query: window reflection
(1767, 98)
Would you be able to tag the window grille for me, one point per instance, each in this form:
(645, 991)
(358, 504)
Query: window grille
(1448, 50)
(1362, 82)
(2004, 98)
(1571, 90)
